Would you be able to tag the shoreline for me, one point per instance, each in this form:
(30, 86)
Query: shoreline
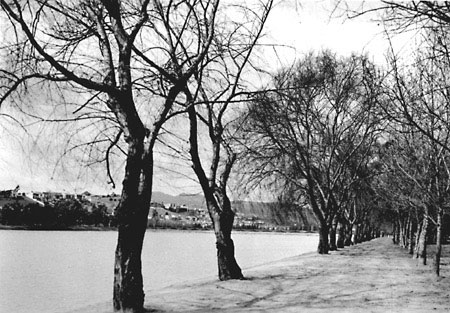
(374, 276)
(103, 228)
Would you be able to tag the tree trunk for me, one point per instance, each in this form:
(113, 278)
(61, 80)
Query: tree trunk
(340, 235)
(354, 238)
(348, 234)
(437, 259)
(128, 282)
(397, 232)
(411, 236)
(403, 233)
(226, 261)
(132, 213)
(323, 247)
(333, 246)
(422, 244)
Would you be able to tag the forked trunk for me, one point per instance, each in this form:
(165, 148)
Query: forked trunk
(226, 261)
(437, 258)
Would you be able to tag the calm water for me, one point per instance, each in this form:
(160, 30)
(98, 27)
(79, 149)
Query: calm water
(42, 271)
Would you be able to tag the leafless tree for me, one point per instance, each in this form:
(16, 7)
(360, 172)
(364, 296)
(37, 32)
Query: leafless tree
(128, 59)
(419, 98)
(212, 104)
(302, 134)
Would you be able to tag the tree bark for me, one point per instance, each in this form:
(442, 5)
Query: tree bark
(333, 229)
(354, 238)
(323, 247)
(422, 244)
(437, 258)
(226, 261)
(396, 233)
(348, 235)
(402, 233)
(340, 235)
(416, 240)
(128, 282)
(131, 214)
(411, 236)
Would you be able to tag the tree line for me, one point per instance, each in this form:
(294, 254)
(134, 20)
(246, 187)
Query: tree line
(360, 145)
(62, 214)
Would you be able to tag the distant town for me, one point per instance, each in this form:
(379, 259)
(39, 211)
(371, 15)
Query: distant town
(161, 215)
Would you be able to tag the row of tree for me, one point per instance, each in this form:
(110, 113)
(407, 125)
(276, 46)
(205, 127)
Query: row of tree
(354, 143)
(60, 215)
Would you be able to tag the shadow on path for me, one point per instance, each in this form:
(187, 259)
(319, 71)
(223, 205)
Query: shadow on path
(375, 276)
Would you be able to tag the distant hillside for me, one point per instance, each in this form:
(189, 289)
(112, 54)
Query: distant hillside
(276, 213)
(191, 200)
(270, 212)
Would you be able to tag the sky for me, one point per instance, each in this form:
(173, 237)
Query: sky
(296, 29)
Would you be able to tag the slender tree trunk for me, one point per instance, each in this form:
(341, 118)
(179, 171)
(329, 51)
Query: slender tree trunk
(354, 238)
(397, 232)
(323, 247)
(411, 236)
(416, 240)
(348, 234)
(402, 233)
(333, 228)
(131, 213)
(340, 235)
(437, 258)
(422, 244)
(226, 261)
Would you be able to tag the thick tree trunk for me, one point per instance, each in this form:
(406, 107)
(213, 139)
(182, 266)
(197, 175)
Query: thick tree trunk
(226, 261)
(323, 247)
(437, 258)
(132, 213)
(333, 229)
(340, 235)
(128, 282)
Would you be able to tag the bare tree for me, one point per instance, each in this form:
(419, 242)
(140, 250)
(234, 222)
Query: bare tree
(134, 59)
(419, 101)
(303, 134)
(213, 101)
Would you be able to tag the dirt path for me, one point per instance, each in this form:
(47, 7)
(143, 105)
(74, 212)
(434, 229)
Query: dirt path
(374, 276)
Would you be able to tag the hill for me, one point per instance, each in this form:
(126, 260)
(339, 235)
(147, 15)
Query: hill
(278, 214)
(191, 200)
(270, 212)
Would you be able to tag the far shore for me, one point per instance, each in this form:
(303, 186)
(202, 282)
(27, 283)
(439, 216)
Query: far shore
(374, 276)
(106, 228)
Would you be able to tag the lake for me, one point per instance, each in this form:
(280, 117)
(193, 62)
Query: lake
(60, 271)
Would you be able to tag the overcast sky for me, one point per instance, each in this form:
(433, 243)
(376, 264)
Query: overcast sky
(299, 29)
